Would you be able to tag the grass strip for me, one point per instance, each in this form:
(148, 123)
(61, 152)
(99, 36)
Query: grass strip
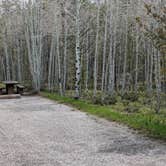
(152, 125)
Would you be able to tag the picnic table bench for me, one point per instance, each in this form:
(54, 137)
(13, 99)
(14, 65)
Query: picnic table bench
(1, 90)
(20, 89)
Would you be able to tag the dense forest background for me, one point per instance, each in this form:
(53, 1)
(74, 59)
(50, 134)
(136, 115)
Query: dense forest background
(104, 47)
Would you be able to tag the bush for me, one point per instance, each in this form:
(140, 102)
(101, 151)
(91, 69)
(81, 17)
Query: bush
(146, 101)
(131, 109)
(110, 100)
(125, 102)
(131, 96)
(97, 100)
(106, 100)
(87, 95)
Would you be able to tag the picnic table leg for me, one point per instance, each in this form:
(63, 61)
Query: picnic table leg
(10, 89)
(1, 92)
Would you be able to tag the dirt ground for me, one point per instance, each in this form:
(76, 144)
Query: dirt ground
(35, 131)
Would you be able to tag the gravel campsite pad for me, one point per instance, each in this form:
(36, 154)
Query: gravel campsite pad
(35, 131)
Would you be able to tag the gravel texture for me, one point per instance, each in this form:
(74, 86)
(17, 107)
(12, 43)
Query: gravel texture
(35, 131)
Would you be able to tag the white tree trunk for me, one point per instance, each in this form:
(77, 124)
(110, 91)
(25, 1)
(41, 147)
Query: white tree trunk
(136, 60)
(65, 56)
(33, 37)
(95, 74)
(50, 69)
(125, 51)
(8, 76)
(157, 78)
(151, 69)
(59, 63)
(105, 46)
(87, 62)
(77, 50)
(19, 62)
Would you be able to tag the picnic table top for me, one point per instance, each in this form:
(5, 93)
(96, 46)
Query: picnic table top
(10, 82)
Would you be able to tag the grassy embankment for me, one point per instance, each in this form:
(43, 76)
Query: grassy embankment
(145, 121)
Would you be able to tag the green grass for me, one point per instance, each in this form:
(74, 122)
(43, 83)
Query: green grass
(149, 123)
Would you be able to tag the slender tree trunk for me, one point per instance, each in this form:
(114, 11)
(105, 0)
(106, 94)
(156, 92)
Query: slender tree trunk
(59, 63)
(51, 60)
(111, 57)
(125, 53)
(8, 76)
(136, 60)
(151, 69)
(95, 74)
(19, 62)
(77, 49)
(65, 56)
(157, 78)
(105, 46)
(87, 62)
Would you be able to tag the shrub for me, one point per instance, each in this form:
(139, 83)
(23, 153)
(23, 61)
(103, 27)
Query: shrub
(131, 96)
(87, 95)
(97, 100)
(131, 109)
(125, 102)
(110, 100)
(146, 101)
(105, 100)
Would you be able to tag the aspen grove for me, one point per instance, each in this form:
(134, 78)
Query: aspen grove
(106, 47)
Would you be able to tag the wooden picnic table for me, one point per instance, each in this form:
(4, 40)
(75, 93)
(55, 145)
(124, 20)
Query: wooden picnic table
(10, 86)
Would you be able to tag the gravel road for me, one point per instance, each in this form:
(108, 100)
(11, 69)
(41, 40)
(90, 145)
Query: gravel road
(35, 131)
